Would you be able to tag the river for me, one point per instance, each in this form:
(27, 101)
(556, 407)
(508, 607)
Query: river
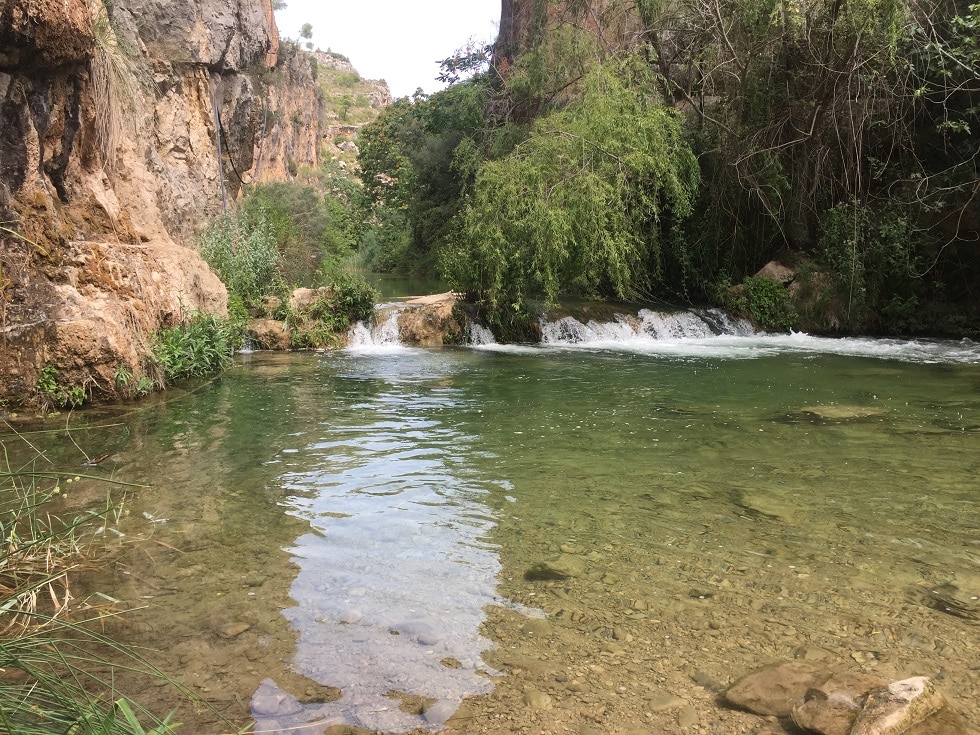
(596, 532)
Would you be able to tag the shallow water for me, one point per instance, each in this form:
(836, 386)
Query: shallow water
(360, 538)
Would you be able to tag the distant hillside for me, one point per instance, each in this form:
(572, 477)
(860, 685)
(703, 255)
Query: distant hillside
(350, 102)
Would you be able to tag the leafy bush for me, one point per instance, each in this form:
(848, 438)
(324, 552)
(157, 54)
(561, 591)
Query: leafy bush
(767, 302)
(345, 299)
(385, 241)
(311, 227)
(244, 252)
(200, 345)
(874, 257)
(54, 393)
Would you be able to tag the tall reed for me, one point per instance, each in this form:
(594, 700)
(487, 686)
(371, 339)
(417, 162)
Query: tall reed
(56, 669)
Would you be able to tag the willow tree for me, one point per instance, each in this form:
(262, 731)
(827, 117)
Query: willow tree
(588, 204)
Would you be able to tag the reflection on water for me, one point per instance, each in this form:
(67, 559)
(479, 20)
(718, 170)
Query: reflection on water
(398, 567)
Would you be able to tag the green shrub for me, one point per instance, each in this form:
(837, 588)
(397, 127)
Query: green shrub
(346, 299)
(200, 345)
(768, 303)
(55, 394)
(244, 252)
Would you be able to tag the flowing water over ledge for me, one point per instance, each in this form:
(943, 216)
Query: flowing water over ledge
(593, 532)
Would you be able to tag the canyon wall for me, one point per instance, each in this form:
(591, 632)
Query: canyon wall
(111, 122)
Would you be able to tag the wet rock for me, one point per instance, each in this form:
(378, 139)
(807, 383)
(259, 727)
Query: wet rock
(832, 707)
(777, 689)
(537, 627)
(687, 717)
(269, 334)
(430, 321)
(842, 413)
(893, 709)
(271, 701)
(439, 712)
(704, 679)
(420, 630)
(945, 722)
(812, 653)
(665, 701)
(538, 700)
(231, 630)
(565, 567)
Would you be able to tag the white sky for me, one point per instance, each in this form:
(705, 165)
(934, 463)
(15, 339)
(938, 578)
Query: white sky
(395, 40)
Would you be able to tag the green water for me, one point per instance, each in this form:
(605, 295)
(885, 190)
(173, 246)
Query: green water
(368, 529)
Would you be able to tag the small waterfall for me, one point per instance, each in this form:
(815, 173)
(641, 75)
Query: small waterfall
(381, 333)
(478, 335)
(646, 325)
(602, 327)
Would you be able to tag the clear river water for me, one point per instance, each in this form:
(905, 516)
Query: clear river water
(600, 531)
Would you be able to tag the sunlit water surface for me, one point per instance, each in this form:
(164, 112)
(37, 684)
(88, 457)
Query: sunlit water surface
(374, 502)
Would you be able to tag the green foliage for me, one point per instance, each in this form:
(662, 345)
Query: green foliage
(128, 385)
(54, 393)
(345, 299)
(347, 79)
(767, 303)
(312, 225)
(200, 345)
(284, 232)
(244, 252)
(582, 206)
(873, 258)
(420, 157)
(385, 241)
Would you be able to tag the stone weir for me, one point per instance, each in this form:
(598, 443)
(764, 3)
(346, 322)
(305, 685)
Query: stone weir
(441, 319)
(124, 126)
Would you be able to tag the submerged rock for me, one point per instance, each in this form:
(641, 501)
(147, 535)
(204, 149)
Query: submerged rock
(842, 413)
(776, 690)
(832, 707)
(894, 709)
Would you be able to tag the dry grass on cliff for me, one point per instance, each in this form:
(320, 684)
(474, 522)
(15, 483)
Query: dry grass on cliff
(118, 76)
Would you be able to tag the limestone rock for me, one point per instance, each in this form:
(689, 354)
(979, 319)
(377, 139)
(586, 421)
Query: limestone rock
(776, 690)
(842, 413)
(269, 334)
(302, 298)
(538, 700)
(430, 321)
(224, 36)
(832, 707)
(893, 709)
(777, 272)
(564, 567)
(45, 32)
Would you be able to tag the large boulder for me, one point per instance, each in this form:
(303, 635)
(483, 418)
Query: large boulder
(430, 321)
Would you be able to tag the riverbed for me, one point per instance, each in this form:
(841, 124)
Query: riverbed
(594, 535)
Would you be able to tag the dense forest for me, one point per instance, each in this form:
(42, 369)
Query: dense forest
(646, 150)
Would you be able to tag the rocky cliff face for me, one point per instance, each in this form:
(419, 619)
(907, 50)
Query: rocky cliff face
(110, 128)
